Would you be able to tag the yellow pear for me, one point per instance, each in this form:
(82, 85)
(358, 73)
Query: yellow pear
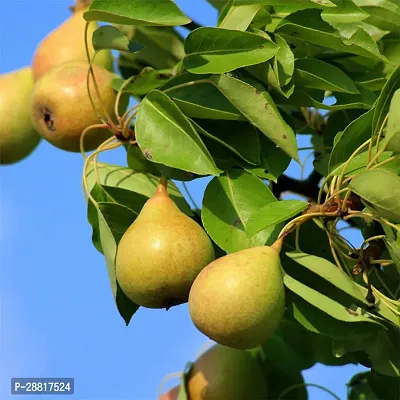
(222, 373)
(18, 137)
(61, 107)
(67, 43)
(161, 253)
(239, 299)
(172, 394)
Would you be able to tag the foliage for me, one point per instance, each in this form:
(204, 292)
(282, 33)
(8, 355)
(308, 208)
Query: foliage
(228, 102)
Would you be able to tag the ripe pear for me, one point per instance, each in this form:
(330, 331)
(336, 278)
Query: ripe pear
(172, 394)
(61, 108)
(67, 43)
(161, 253)
(18, 137)
(223, 373)
(239, 299)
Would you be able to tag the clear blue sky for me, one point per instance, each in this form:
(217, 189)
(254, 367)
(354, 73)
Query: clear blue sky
(58, 318)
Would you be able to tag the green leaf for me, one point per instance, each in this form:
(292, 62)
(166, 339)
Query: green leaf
(282, 366)
(292, 3)
(345, 12)
(355, 134)
(261, 19)
(163, 47)
(147, 80)
(381, 190)
(366, 335)
(392, 135)
(394, 250)
(134, 182)
(239, 137)
(309, 347)
(229, 202)
(383, 13)
(122, 197)
(274, 213)
(136, 12)
(325, 303)
(274, 161)
(313, 98)
(373, 386)
(216, 50)
(391, 50)
(239, 17)
(119, 217)
(218, 4)
(383, 102)
(330, 273)
(259, 108)
(361, 161)
(317, 74)
(308, 26)
(110, 37)
(166, 136)
(283, 62)
(200, 100)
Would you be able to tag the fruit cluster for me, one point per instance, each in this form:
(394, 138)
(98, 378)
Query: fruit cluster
(165, 258)
(50, 98)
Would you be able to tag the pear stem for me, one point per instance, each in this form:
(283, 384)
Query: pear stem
(162, 186)
(80, 5)
(164, 181)
(277, 245)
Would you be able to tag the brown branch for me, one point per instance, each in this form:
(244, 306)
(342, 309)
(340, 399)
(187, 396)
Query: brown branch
(192, 26)
(306, 187)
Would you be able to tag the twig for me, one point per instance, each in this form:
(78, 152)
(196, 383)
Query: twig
(306, 187)
(192, 26)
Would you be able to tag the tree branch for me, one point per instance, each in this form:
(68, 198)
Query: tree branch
(192, 26)
(307, 187)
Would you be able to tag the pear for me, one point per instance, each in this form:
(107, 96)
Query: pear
(61, 107)
(239, 299)
(222, 373)
(161, 253)
(18, 137)
(67, 43)
(172, 394)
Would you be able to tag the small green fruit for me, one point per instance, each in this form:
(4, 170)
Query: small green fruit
(61, 107)
(18, 137)
(161, 253)
(239, 299)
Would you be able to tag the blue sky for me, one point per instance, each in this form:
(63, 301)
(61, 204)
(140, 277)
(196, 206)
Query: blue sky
(58, 317)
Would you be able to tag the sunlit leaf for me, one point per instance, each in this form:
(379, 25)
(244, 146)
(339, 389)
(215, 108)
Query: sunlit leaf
(318, 74)
(238, 17)
(216, 50)
(355, 134)
(228, 206)
(110, 37)
(381, 190)
(392, 134)
(274, 213)
(260, 110)
(307, 25)
(383, 102)
(239, 137)
(166, 136)
(136, 12)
